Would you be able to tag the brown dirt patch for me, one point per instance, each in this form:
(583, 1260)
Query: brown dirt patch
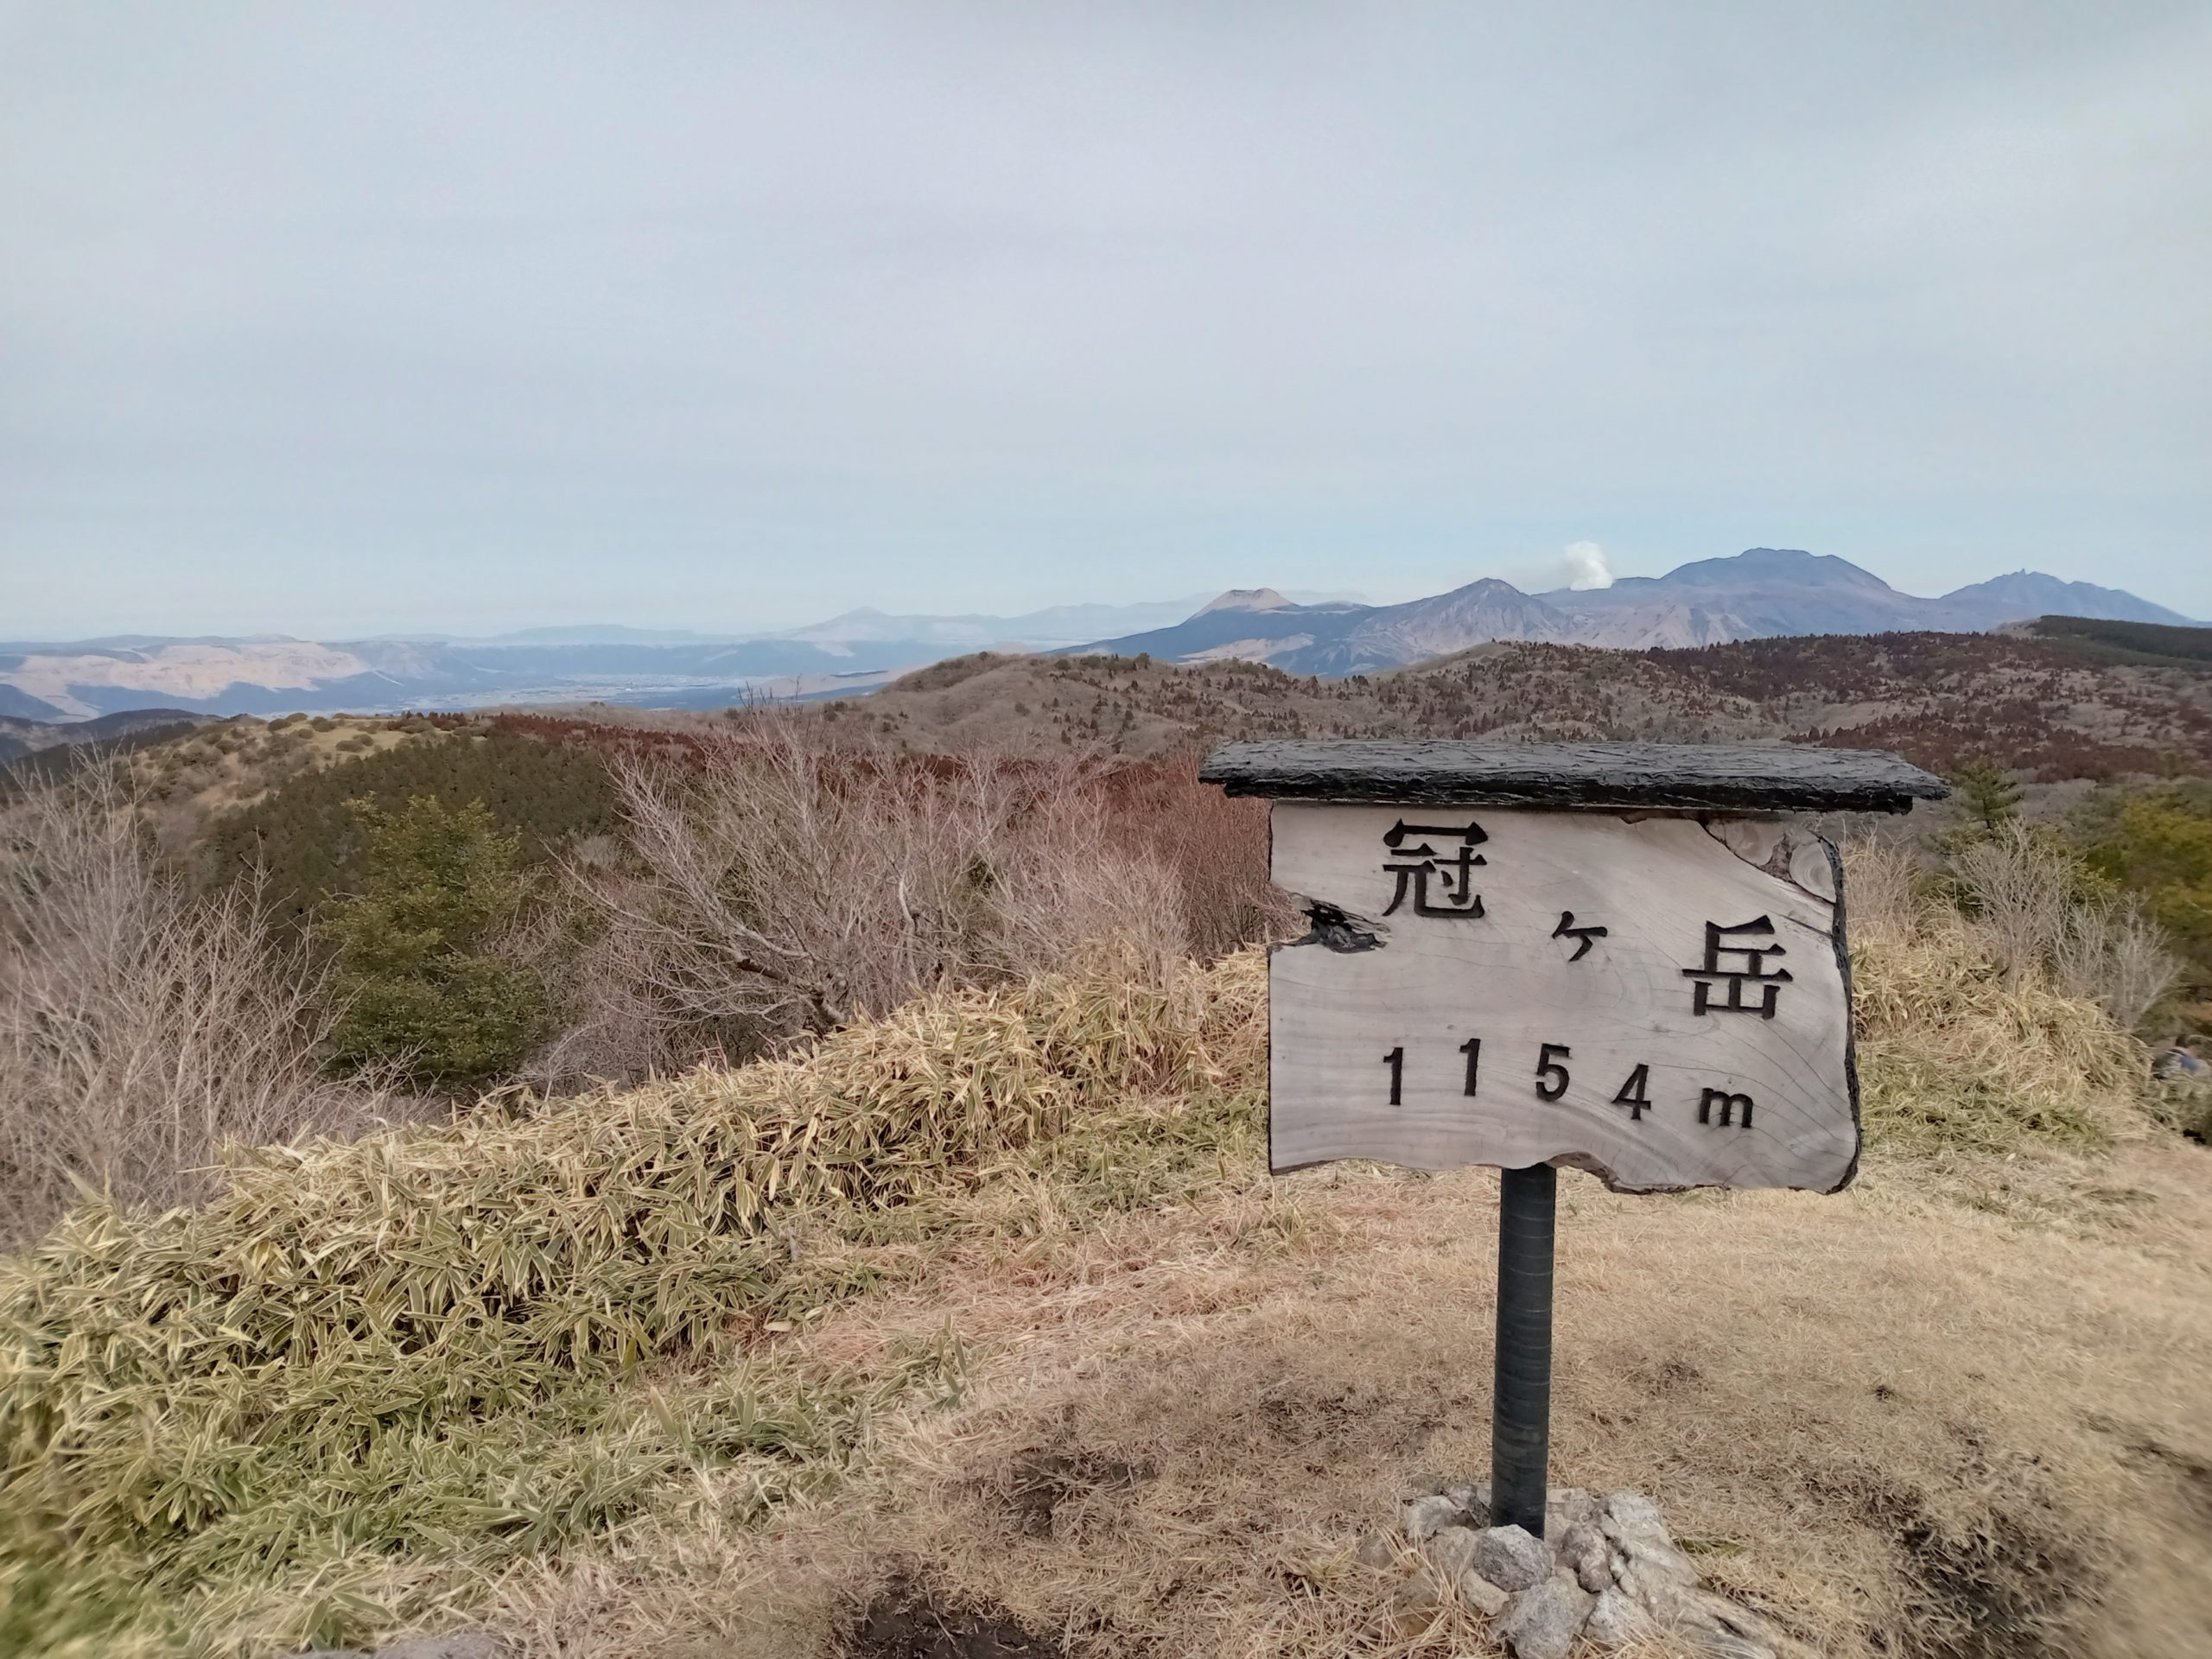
(907, 1622)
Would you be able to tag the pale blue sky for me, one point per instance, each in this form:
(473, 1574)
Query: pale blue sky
(342, 319)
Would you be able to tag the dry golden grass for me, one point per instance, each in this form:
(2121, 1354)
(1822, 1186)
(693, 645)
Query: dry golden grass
(1954, 1058)
(1956, 1413)
(992, 1300)
(369, 1374)
(219, 767)
(1899, 1424)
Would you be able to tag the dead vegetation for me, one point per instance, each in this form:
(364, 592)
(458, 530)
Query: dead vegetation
(1974, 1032)
(1900, 1425)
(411, 1347)
(777, 886)
(969, 1322)
(141, 1027)
(1908, 1421)
(980, 1323)
(2037, 707)
(224, 765)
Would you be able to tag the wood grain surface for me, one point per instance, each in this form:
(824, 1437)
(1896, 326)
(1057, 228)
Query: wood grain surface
(1572, 1001)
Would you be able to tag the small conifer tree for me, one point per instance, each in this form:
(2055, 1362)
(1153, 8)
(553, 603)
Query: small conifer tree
(1988, 798)
(423, 989)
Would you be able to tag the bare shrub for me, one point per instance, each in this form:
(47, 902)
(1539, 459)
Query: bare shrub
(2038, 912)
(2115, 956)
(1066, 892)
(1883, 888)
(2018, 893)
(141, 1027)
(1215, 846)
(777, 886)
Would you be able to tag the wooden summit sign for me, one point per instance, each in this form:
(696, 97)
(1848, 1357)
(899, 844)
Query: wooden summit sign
(1576, 954)
(1624, 957)
(1661, 1001)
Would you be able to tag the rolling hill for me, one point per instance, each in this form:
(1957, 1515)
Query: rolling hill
(2054, 707)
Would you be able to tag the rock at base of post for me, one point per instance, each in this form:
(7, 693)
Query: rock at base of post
(1543, 1620)
(1610, 1572)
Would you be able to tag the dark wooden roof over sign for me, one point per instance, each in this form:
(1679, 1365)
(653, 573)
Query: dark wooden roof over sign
(1723, 776)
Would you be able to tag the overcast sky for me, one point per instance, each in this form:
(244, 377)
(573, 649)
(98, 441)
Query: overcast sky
(333, 319)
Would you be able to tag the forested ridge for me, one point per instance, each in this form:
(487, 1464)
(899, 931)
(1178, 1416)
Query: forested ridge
(2040, 707)
(306, 834)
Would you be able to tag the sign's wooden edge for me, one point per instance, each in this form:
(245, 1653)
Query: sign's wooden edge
(1837, 934)
(1274, 1165)
(1850, 1013)
(1734, 778)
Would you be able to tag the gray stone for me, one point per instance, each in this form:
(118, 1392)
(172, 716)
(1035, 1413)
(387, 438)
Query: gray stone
(1701, 1618)
(1611, 1571)
(1672, 1604)
(1425, 1514)
(1645, 1562)
(1634, 1512)
(1473, 1496)
(461, 1644)
(1510, 1558)
(1545, 1618)
(1583, 1552)
(1567, 1506)
(1450, 1550)
(1644, 1568)
(1616, 1621)
(1714, 1625)
(1414, 1605)
(1666, 1593)
(1741, 777)
(1479, 1593)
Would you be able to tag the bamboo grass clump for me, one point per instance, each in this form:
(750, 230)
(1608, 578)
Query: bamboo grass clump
(1953, 1056)
(357, 1346)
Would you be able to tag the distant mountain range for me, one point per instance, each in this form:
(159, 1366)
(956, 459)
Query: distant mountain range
(1760, 593)
(1765, 591)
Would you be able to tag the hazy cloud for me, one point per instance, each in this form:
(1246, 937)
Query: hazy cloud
(474, 314)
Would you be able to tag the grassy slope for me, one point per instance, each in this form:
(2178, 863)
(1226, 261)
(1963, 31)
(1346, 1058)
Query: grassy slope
(1042, 1334)
(1955, 1413)
(1901, 1423)
(373, 1376)
(196, 776)
(2036, 705)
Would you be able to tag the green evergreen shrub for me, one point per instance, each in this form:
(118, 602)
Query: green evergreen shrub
(1987, 798)
(424, 989)
(306, 838)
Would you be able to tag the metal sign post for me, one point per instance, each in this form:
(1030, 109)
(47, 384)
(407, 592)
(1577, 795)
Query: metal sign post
(1520, 1414)
(1626, 957)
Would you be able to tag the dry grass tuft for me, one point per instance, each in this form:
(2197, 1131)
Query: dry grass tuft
(1953, 1058)
(1965, 1043)
(409, 1343)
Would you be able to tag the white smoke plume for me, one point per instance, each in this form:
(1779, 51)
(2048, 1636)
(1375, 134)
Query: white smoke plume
(1585, 566)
